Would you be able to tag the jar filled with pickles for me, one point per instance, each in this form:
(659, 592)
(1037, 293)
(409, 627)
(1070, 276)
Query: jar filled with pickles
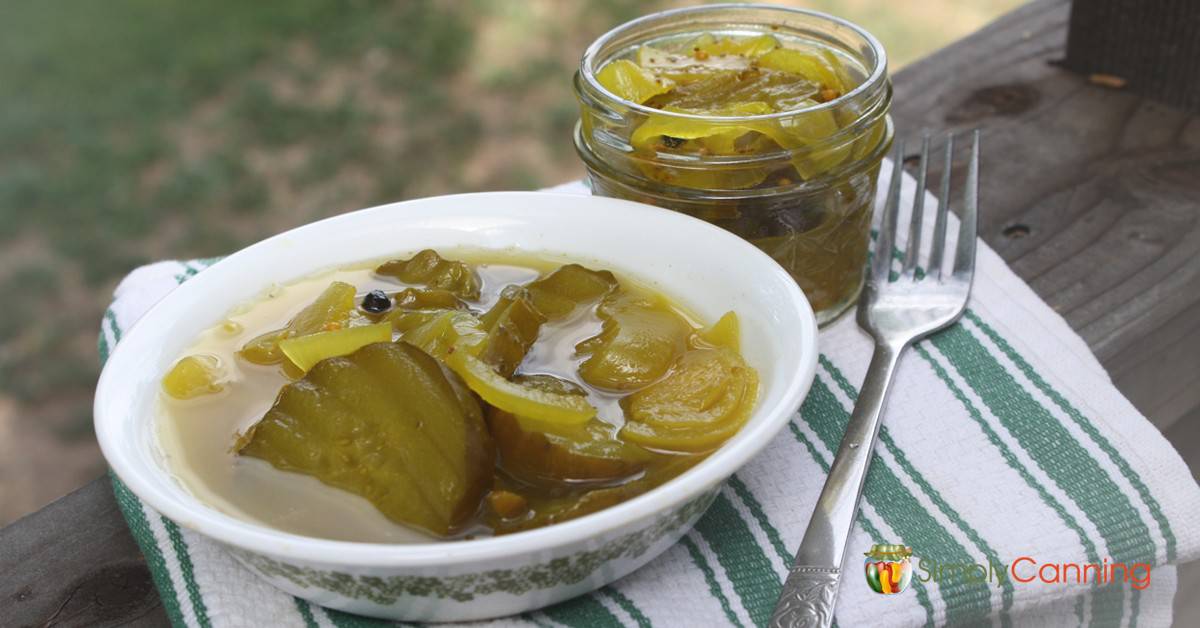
(767, 121)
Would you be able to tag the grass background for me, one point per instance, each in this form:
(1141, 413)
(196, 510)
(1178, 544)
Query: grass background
(136, 130)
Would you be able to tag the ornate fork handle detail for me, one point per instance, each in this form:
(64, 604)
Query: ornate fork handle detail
(808, 597)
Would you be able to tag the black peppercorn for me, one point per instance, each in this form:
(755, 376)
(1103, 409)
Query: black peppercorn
(376, 302)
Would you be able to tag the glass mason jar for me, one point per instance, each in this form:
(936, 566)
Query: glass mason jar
(805, 198)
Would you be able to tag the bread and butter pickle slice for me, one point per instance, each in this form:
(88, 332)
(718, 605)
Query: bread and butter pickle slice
(431, 270)
(704, 400)
(811, 130)
(331, 310)
(418, 306)
(512, 327)
(194, 376)
(708, 45)
(650, 133)
(558, 294)
(441, 333)
(813, 67)
(538, 404)
(685, 66)
(538, 453)
(676, 134)
(428, 299)
(482, 357)
(305, 351)
(726, 332)
(547, 509)
(779, 91)
(627, 80)
(457, 338)
(386, 424)
(640, 339)
(542, 511)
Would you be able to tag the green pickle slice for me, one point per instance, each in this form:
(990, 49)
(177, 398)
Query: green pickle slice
(431, 270)
(537, 452)
(442, 333)
(800, 63)
(386, 424)
(558, 294)
(331, 310)
(512, 327)
(543, 509)
(459, 339)
(428, 299)
(639, 340)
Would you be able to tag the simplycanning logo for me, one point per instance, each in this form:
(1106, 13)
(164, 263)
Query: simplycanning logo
(889, 570)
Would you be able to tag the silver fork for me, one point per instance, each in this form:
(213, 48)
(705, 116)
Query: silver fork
(896, 312)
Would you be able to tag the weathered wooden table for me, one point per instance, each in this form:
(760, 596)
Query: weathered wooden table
(1090, 193)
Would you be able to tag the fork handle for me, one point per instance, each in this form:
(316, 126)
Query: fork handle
(810, 592)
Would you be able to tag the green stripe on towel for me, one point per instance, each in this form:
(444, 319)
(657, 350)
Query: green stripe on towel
(627, 605)
(965, 601)
(756, 510)
(1086, 425)
(584, 611)
(306, 613)
(139, 526)
(1105, 599)
(714, 587)
(188, 571)
(747, 567)
(1053, 448)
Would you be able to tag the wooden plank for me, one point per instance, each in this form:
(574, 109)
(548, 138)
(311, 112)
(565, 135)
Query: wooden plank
(74, 563)
(1150, 44)
(1089, 193)
(1185, 436)
(1187, 603)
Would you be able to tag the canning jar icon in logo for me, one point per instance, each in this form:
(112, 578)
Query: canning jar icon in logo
(889, 568)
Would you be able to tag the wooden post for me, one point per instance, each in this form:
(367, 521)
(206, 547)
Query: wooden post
(1151, 46)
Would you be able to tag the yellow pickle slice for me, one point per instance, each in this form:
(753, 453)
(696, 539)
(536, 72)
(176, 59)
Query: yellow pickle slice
(705, 399)
(194, 376)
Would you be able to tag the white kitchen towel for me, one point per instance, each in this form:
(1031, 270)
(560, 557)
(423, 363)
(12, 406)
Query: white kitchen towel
(1005, 445)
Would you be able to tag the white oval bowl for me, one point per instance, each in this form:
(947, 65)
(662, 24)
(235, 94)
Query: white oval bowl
(706, 269)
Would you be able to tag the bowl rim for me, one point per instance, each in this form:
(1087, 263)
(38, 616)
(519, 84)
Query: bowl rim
(257, 538)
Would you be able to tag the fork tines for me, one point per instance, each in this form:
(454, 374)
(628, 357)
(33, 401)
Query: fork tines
(964, 254)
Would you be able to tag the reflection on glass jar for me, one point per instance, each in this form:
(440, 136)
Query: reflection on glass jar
(767, 121)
